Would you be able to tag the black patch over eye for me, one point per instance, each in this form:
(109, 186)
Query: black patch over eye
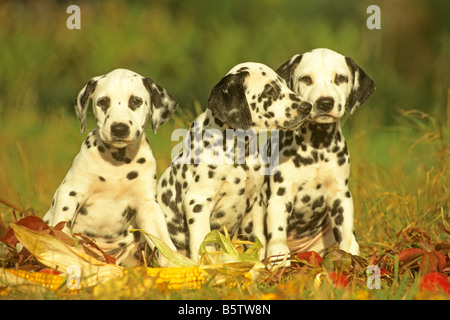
(306, 80)
(134, 102)
(104, 103)
(271, 89)
(340, 78)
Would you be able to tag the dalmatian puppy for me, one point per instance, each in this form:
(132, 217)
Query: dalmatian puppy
(111, 186)
(309, 203)
(199, 196)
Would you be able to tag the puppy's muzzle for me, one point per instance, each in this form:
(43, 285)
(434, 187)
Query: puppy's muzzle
(120, 130)
(325, 104)
(303, 110)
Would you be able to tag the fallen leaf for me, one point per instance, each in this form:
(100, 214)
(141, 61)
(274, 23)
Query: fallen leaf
(30, 222)
(410, 256)
(338, 279)
(429, 263)
(435, 282)
(311, 257)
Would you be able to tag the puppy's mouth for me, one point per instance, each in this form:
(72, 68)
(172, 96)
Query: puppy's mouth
(293, 124)
(118, 142)
(323, 118)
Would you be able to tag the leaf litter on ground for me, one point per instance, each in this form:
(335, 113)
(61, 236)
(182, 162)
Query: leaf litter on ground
(33, 246)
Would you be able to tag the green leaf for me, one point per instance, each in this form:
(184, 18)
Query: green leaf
(251, 254)
(215, 237)
(175, 259)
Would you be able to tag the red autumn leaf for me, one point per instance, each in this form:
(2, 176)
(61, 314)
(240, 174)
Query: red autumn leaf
(88, 242)
(435, 282)
(432, 261)
(31, 222)
(60, 225)
(49, 271)
(384, 272)
(310, 257)
(338, 279)
(429, 263)
(37, 224)
(407, 256)
(442, 261)
(442, 246)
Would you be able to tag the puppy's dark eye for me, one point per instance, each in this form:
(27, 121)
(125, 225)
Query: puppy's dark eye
(306, 80)
(270, 91)
(340, 78)
(104, 103)
(134, 102)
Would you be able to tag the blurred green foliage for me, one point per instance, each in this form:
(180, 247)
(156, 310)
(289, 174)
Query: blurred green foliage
(187, 46)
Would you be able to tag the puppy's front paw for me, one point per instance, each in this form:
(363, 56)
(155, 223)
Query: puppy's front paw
(278, 254)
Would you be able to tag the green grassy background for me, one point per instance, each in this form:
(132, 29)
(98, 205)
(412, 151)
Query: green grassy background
(399, 141)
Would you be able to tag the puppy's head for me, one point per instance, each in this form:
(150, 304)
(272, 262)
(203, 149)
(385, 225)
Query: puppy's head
(123, 101)
(330, 81)
(253, 96)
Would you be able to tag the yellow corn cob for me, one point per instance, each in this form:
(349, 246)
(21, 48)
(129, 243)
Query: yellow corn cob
(49, 281)
(164, 278)
(178, 278)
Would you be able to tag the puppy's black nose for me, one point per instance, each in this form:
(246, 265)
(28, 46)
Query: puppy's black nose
(120, 130)
(305, 107)
(325, 104)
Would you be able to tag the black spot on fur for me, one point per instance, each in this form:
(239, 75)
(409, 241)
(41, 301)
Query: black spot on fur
(277, 177)
(129, 213)
(289, 207)
(306, 199)
(318, 203)
(281, 191)
(337, 235)
(249, 228)
(132, 175)
(89, 234)
(83, 211)
(166, 197)
(219, 214)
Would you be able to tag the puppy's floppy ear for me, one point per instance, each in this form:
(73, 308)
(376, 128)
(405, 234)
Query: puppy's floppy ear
(162, 103)
(82, 101)
(362, 87)
(228, 101)
(286, 70)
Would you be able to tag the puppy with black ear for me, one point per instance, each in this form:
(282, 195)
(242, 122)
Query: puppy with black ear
(311, 186)
(215, 181)
(111, 186)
